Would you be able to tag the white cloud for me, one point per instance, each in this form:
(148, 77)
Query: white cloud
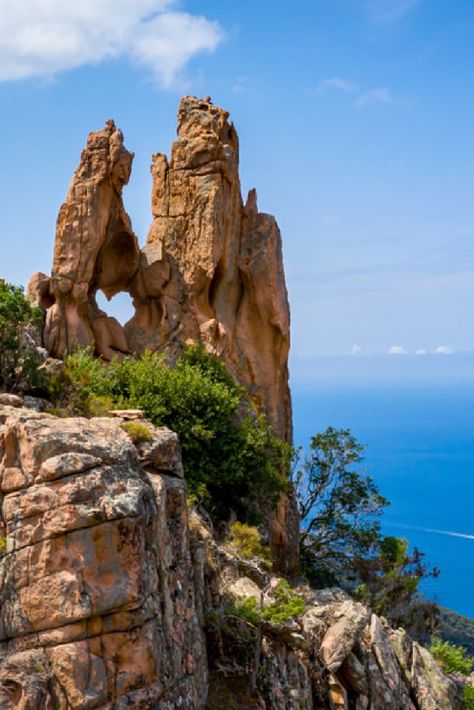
(39, 38)
(384, 11)
(397, 350)
(356, 350)
(444, 350)
(374, 96)
(337, 84)
(421, 352)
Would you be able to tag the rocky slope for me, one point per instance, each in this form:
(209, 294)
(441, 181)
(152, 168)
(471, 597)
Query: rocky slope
(113, 596)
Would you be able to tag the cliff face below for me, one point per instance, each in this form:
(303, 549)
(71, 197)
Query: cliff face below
(112, 594)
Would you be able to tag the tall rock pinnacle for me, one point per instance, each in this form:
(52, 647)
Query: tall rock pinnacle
(211, 270)
(95, 249)
(221, 281)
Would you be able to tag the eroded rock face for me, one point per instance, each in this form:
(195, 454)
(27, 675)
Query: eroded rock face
(95, 249)
(337, 655)
(212, 269)
(112, 596)
(210, 272)
(96, 587)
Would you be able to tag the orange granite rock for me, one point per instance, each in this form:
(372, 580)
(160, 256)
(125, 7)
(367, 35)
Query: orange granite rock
(211, 270)
(96, 583)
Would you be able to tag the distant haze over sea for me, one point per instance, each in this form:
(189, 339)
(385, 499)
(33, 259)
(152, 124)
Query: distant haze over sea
(383, 369)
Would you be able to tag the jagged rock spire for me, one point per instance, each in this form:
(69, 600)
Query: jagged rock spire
(211, 270)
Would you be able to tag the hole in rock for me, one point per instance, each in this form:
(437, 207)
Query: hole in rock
(119, 307)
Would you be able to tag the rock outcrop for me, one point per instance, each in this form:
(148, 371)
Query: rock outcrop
(114, 596)
(210, 272)
(337, 655)
(95, 249)
(96, 581)
(212, 268)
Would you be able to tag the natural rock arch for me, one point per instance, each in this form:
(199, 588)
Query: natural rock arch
(211, 270)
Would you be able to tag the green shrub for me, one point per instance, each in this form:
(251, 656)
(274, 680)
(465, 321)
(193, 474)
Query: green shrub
(287, 605)
(246, 609)
(246, 541)
(468, 697)
(137, 431)
(98, 405)
(232, 461)
(451, 658)
(3, 545)
(18, 362)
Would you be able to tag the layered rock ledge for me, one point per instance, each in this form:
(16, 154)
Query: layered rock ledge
(96, 586)
(111, 594)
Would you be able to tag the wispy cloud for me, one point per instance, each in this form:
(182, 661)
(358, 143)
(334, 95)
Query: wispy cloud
(41, 39)
(366, 97)
(239, 85)
(357, 350)
(382, 95)
(337, 84)
(396, 350)
(444, 350)
(385, 11)
(451, 533)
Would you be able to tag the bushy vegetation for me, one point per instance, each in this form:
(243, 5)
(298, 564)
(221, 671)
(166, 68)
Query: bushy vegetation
(454, 659)
(287, 605)
(451, 658)
(342, 542)
(457, 629)
(18, 362)
(388, 577)
(247, 609)
(231, 459)
(137, 431)
(468, 697)
(246, 541)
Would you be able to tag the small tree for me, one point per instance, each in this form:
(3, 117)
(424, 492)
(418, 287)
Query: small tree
(18, 363)
(389, 577)
(339, 506)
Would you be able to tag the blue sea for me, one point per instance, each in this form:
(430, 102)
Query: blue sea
(420, 452)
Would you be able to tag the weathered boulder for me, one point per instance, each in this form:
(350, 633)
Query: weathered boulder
(96, 582)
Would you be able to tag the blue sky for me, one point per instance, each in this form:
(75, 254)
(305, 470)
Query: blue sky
(356, 127)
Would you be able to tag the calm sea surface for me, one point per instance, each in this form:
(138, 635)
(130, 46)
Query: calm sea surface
(420, 451)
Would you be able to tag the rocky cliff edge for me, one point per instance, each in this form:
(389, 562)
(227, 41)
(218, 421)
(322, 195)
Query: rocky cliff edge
(112, 594)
